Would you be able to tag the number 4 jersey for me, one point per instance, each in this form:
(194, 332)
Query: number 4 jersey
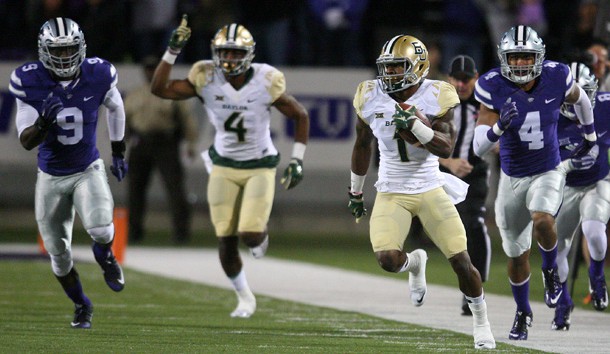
(529, 146)
(241, 117)
(70, 145)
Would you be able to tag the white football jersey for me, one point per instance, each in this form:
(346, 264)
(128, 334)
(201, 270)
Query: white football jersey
(404, 168)
(241, 117)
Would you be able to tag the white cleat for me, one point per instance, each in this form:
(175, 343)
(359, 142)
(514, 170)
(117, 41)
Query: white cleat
(417, 278)
(260, 250)
(246, 305)
(483, 338)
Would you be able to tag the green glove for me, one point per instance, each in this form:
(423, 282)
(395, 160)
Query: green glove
(179, 36)
(403, 119)
(356, 205)
(293, 174)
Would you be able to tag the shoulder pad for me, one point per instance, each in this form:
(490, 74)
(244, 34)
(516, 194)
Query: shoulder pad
(276, 81)
(100, 72)
(363, 95)
(201, 74)
(31, 82)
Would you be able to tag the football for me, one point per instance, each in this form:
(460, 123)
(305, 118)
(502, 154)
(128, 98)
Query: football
(406, 135)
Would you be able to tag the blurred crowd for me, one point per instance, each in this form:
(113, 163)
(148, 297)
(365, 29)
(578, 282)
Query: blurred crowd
(345, 33)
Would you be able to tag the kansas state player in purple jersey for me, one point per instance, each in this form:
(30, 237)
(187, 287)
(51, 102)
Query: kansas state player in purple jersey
(586, 197)
(58, 98)
(520, 104)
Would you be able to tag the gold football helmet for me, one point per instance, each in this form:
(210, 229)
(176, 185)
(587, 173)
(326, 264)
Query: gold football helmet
(403, 51)
(237, 37)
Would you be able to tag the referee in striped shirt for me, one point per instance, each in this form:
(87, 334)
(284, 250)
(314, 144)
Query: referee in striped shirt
(469, 167)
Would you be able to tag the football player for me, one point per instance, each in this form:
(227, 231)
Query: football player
(58, 98)
(237, 95)
(520, 104)
(586, 200)
(409, 181)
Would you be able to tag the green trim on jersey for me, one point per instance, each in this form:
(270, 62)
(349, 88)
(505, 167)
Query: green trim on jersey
(265, 162)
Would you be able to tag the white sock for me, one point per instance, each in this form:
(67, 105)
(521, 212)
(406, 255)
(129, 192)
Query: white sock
(478, 306)
(411, 264)
(240, 282)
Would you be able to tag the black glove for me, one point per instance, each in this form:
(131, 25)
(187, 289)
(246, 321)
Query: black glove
(50, 108)
(583, 149)
(119, 166)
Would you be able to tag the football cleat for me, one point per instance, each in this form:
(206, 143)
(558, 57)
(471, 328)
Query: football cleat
(552, 286)
(82, 316)
(465, 308)
(260, 250)
(599, 292)
(246, 304)
(522, 321)
(417, 278)
(113, 274)
(561, 322)
(483, 338)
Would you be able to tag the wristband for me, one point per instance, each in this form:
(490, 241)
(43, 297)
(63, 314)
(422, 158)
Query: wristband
(118, 148)
(494, 133)
(589, 131)
(169, 57)
(357, 183)
(298, 150)
(422, 132)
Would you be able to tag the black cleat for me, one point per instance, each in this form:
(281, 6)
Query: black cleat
(552, 286)
(82, 316)
(519, 330)
(465, 308)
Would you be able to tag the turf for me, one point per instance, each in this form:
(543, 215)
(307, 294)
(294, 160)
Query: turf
(352, 252)
(159, 315)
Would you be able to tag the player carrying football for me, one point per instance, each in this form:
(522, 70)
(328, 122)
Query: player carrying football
(409, 182)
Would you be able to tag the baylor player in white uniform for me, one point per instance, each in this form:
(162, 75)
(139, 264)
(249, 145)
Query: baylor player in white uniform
(409, 182)
(237, 96)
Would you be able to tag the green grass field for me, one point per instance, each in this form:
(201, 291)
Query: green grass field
(167, 316)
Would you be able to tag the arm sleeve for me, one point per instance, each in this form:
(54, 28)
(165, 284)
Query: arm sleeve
(25, 117)
(115, 114)
(481, 143)
(584, 113)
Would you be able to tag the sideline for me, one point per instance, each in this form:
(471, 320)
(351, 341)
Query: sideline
(378, 296)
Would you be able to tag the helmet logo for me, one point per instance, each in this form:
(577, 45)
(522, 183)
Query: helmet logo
(419, 50)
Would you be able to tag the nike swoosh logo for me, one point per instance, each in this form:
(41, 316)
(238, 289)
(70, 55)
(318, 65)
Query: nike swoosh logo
(602, 134)
(553, 302)
(87, 98)
(250, 101)
(549, 101)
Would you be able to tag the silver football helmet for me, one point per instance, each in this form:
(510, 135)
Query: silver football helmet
(408, 52)
(521, 40)
(61, 46)
(584, 78)
(233, 36)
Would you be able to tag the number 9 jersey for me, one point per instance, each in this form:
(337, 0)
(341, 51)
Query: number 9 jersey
(70, 145)
(241, 117)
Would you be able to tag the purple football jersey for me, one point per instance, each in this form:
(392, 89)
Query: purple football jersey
(70, 145)
(570, 136)
(529, 146)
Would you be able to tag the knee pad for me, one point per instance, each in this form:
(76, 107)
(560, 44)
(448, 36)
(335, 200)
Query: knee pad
(62, 263)
(102, 234)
